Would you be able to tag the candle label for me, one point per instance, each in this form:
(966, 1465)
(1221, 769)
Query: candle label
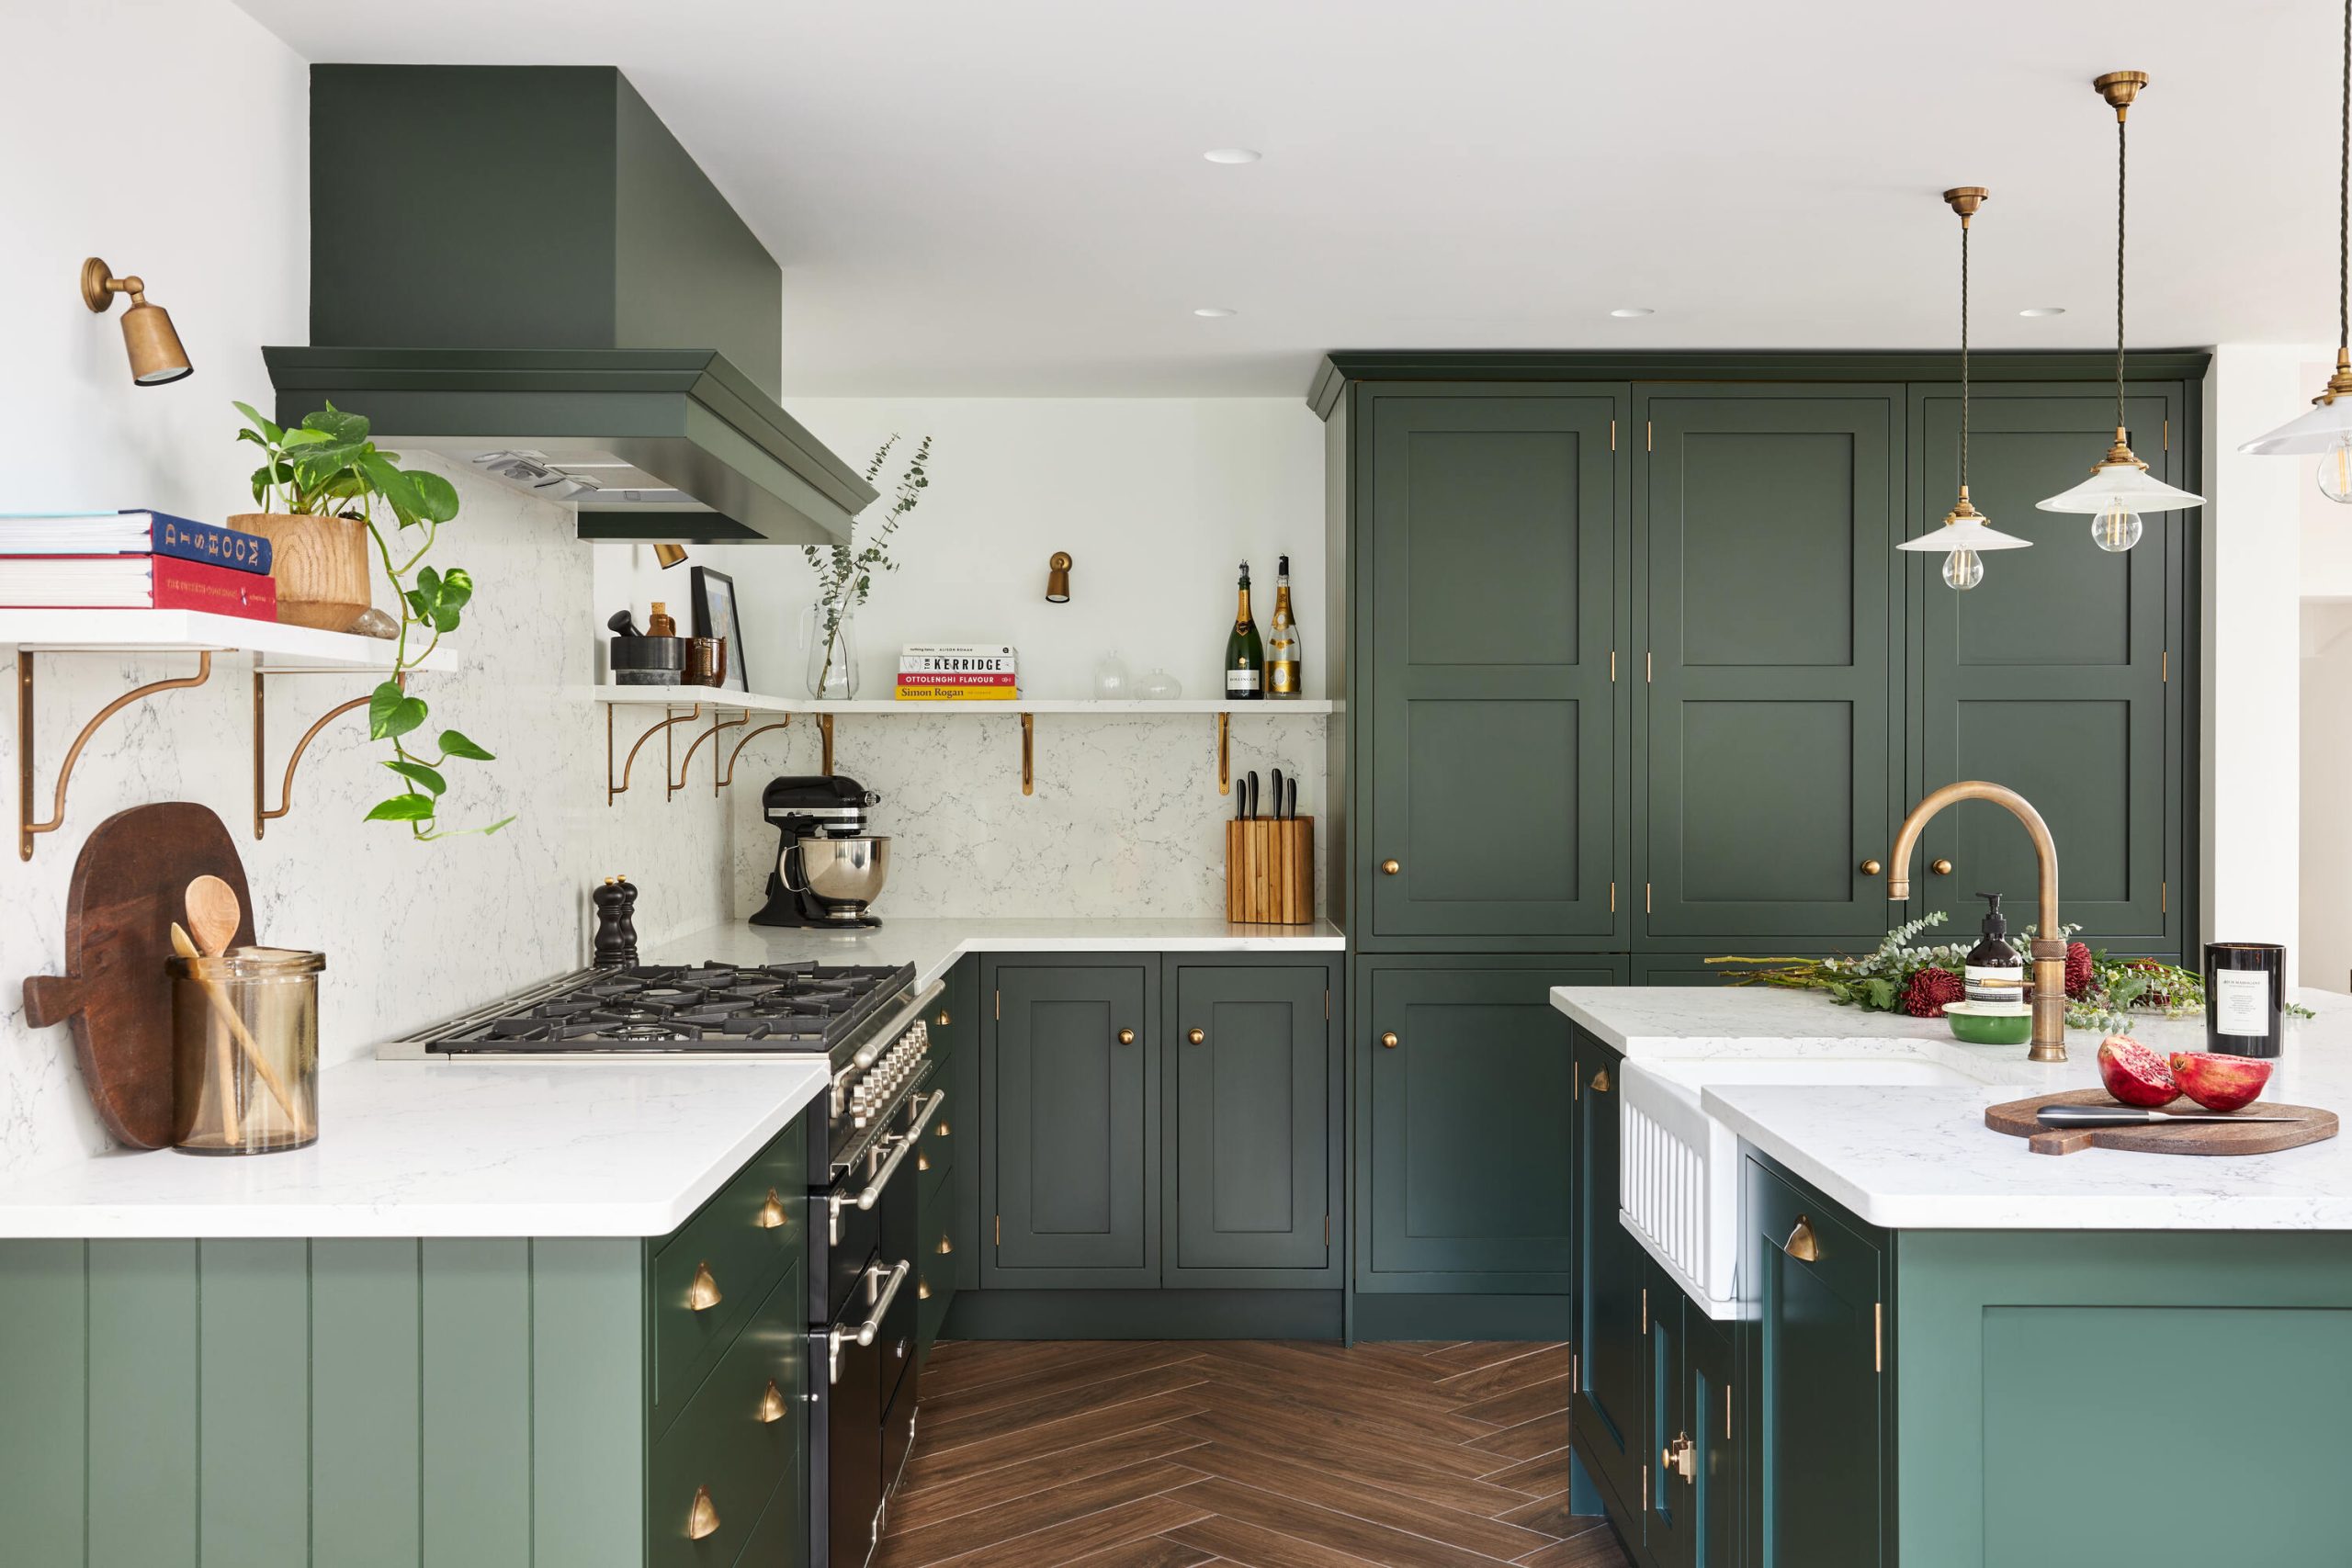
(2241, 1002)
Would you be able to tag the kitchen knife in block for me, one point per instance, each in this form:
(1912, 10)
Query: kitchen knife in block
(128, 885)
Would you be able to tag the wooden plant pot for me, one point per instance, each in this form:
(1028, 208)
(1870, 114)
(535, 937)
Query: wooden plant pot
(320, 566)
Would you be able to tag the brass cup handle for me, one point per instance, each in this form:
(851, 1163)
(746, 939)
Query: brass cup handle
(1601, 1082)
(1389, 868)
(1388, 1040)
(703, 1294)
(922, 1290)
(1940, 867)
(1196, 1035)
(1679, 1456)
(941, 1131)
(1802, 1244)
(771, 1213)
(701, 1519)
(942, 1018)
(1126, 1037)
(771, 1404)
(1871, 868)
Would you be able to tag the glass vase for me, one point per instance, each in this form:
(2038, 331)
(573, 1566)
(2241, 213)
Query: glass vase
(832, 654)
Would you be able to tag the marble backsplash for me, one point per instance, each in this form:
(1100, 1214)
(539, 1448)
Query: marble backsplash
(1127, 819)
(411, 932)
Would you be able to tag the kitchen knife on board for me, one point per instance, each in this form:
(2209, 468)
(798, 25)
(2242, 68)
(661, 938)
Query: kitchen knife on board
(2130, 1116)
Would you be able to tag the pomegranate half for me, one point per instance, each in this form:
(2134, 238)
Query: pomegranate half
(2220, 1082)
(2135, 1075)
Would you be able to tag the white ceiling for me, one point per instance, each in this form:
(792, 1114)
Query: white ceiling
(1008, 197)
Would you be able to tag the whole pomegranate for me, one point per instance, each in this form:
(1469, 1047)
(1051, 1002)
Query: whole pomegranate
(1930, 991)
(2078, 968)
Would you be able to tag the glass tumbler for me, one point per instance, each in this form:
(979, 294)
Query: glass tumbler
(245, 1051)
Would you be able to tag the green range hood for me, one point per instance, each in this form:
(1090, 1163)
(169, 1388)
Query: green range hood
(520, 269)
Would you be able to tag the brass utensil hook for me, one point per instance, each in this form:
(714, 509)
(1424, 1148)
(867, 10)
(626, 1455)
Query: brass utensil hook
(615, 791)
(1028, 753)
(26, 829)
(263, 812)
(687, 766)
(726, 779)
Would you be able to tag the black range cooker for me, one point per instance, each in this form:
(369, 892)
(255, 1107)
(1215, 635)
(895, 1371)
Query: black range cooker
(868, 1020)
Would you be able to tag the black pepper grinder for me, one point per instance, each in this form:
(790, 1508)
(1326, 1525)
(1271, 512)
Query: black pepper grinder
(616, 904)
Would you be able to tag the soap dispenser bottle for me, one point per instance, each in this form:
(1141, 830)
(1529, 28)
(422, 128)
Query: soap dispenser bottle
(1995, 970)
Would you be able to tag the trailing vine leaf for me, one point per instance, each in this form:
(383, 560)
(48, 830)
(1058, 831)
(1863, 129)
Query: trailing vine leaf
(403, 808)
(417, 772)
(392, 712)
(455, 745)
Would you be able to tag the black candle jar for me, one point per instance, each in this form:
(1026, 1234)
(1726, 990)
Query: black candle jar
(2245, 996)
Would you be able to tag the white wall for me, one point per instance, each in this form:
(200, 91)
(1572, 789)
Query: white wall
(2326, 858)
(1158, 500)
(2251, 793)
(202, 190)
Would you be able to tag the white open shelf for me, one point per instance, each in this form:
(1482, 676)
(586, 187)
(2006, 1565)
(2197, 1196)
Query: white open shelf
(195, 631)
(759, 702)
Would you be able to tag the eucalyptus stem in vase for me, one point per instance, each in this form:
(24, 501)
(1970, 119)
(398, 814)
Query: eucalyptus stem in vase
(845, 570)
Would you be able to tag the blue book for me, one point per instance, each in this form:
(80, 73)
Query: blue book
(132, 532)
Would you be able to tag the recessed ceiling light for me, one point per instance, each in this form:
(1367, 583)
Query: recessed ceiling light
(1232, 155)
(1212, 310)
(1630, 312)
(2043, 310)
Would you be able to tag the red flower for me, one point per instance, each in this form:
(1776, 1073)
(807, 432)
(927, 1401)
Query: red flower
(1928, 991)
(2078, 968)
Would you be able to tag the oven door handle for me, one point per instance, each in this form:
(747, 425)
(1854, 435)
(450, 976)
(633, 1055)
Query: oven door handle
(913, 1135)
(871, 1329)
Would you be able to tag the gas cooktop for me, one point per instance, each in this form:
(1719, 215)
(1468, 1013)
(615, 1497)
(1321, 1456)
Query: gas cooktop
(802, 1006)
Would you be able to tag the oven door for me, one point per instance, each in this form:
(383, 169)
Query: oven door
(848, 1473)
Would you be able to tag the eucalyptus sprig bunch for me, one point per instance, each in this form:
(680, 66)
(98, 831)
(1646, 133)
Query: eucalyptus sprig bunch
(845, 570)
(327, 467)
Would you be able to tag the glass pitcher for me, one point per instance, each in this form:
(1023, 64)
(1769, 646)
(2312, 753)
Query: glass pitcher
(826, 635)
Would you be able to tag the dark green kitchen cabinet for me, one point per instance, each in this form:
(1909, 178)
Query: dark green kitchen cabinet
(1250, 1089)
(947, 1258)
(1497, 535)
(1069, 1177)
(1714, 1472)
(1607, 1316)
(1765, 608)
(1820, 1411)
(2052, 676)
(1462, 1164)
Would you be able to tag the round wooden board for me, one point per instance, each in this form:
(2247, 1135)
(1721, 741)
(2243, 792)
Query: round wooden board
(130, 884)
(2016, 1119)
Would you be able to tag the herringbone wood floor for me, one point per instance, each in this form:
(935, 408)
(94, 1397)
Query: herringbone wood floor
(1271, 1455)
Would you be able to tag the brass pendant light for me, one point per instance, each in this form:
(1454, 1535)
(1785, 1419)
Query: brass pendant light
(2119, 487)
(1967, 532)
(2327, 428)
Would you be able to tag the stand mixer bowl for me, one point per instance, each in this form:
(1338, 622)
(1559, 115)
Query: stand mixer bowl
(848, 872)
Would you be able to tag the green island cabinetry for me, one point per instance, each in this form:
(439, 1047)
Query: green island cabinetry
(947, 1258)
(411, 1404)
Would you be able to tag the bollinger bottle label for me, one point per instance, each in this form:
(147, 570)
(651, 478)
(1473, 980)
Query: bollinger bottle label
(1241, 680)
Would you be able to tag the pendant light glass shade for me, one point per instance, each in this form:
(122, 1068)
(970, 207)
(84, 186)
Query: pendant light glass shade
(2127, 486)
(1965, 534)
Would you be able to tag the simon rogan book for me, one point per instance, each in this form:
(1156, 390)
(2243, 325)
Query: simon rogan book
(134, 582)
(132, 532)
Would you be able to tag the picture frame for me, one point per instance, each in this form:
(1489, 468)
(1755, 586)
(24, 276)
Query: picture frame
(714, 614)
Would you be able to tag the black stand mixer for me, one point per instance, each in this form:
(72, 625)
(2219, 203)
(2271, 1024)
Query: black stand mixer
(828, 867)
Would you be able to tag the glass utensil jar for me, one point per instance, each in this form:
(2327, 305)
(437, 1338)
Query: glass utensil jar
(2246, 993)
(245, 1051)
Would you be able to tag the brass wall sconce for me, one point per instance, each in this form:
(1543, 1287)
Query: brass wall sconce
(1058, 578)
(669, 554)
(156, 357)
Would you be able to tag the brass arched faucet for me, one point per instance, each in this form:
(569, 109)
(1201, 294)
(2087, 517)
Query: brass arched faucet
(2049, 947)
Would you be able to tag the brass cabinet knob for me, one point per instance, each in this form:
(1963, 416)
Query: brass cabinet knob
(1601, 1082)
(1389, 1040)
(703, 1294)
(1126, 1037)
(772, 1404)
(1940, 867)
(771, 1213)
(944, 1019)
(1196, 1035)
(1389, 868)
(1802, 1244)
(701, 1519)
(1871, 868)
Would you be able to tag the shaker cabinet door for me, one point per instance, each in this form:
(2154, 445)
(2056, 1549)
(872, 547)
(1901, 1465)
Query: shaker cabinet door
(1767, 606)
(1071, 1165)
(1605, 1325)
(2051, 676)
(1494, 557)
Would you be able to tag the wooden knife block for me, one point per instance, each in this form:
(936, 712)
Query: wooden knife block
(1270, 872)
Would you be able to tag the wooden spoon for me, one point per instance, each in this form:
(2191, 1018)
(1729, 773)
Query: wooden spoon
(213, 915)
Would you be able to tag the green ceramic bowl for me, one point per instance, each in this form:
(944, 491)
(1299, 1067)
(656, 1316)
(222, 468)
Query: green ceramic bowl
(1990, 1023)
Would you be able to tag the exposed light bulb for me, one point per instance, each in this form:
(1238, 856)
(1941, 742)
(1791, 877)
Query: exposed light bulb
(1964, 570)
(2335, 469)
(2116, 527)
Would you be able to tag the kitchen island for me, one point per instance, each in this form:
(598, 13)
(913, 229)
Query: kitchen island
(1941, 1347)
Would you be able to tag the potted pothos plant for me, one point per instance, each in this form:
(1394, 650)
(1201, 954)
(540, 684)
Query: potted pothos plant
(328, 492)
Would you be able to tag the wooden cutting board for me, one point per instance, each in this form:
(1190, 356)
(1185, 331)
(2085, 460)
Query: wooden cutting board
(129, 884)
(2017, 1118)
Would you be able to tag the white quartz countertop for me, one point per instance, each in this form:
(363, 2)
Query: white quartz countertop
(546, 1148)
(1921, 1157)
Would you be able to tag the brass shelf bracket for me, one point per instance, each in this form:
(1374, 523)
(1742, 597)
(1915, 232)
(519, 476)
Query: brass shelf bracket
(669, 722)
(825, 729)
(265, 813)
(1224, 755)
(687, 766)
(1028, 753)
(726, 779)
(26, 829)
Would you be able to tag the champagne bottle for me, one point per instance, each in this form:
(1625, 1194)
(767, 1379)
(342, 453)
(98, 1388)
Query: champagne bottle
(1245, 655)
(1282, 673)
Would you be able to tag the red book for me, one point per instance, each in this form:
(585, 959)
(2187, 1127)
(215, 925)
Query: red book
(135, 583)
(194, 585)
(910, 678)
